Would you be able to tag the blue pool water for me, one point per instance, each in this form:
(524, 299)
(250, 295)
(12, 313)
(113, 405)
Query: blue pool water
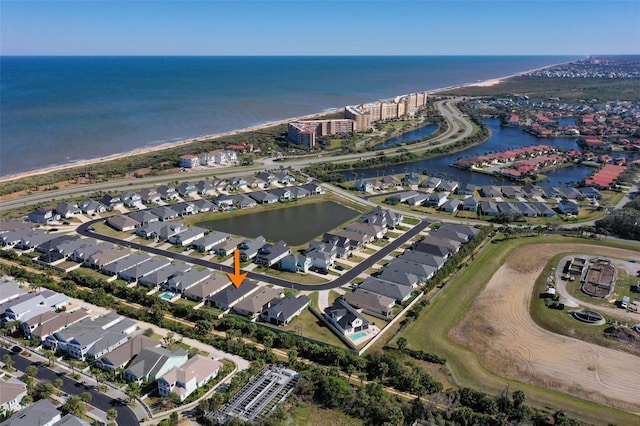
(167, 296)
(358, 335)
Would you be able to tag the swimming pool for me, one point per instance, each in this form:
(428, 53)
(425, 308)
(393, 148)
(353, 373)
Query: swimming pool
(167, 296)
(359, 335)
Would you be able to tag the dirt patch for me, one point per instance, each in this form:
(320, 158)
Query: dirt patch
(624, 335)
(499, 329)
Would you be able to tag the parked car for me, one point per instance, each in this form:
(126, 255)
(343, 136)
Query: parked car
(339, 268)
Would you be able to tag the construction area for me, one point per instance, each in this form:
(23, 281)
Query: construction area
(259, 397)
(599, 278)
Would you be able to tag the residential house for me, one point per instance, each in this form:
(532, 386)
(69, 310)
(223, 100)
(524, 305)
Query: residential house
(263, 197)
(68, 210)
(470, 204)
(269, 178)
(423, 258)
(466, 189)
(161, 276)
(355, 240)
(112, 201)
(92, 207)
(451, 205)
(243, 201)
(227, 247)
(366, 185)
(205, 188)
(181, 282)
(115, 268)
(250, 248)
(29, 305)
(447, 186)
(135, 273)
(225, 202)
(283, 194)
(512, 192)
(398, 292)
(123, 354)
(526, 209)
(382, 217)
(40, 413)
(149, 196)
(152, 363)
(490, 191)
(531, 190)
(390, 181)
(186, 189)
(282, 311)
(431, 182)
(203, 205)
(131, 199)
(590, 192)
(374, 231)
(10, 290)
(102, 258)
(456, 232)
(164, 213)
(295, 263)
(402, 266)
(509, 209)
(543, 209)
(255, 182)
(369, 302)
(345, 318)
(188, 236)
(207, 242)
(411, 179)
(313, 188)
(189, 161)
(400, 197)
(436, 199)
(284, 178)
(207, 288)
(167, 193)
(40, 327)
(231, 295)
(568, 207)
(271, 254)
(122, 223)
(185, 208)
(236, 183)
(43, 216)
(143, 217)
(298, 192)
(489, 208)
(185, 379)
(252, 305)
(441, 247)
(12, 391)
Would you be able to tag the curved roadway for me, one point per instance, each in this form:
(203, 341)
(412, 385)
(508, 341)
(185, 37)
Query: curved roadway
(338, 282)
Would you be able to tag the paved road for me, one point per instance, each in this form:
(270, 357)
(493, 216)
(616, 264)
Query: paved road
(344, 279)
(126, 417)
(455, 119)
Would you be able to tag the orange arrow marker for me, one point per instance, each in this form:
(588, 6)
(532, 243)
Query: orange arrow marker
(236, 278)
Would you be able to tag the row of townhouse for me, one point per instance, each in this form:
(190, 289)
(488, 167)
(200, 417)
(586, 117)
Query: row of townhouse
(18, 305)
(395, 283)
(131, 199)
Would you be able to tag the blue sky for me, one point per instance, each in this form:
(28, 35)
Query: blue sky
(319, 27)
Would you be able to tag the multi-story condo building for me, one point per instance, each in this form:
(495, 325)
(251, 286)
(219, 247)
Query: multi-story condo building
(301, 134)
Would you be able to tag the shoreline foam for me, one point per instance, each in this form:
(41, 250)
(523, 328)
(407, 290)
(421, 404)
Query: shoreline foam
(168, 145)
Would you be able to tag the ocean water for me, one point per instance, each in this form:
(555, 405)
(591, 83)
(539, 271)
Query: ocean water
(60, 110)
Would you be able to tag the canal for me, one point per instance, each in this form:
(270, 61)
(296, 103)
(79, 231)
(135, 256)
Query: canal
(502, 138)
(295, 224)
(409, 137)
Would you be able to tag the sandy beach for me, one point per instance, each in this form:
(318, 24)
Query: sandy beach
(146, 150)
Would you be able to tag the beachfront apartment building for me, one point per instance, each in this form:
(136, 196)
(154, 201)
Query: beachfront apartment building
(365, 115)
(301, 135)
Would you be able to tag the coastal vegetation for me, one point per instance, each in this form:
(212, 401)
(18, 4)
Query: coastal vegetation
(562, 89)
(624, 222)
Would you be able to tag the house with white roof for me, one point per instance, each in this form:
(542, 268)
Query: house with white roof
(185, 379)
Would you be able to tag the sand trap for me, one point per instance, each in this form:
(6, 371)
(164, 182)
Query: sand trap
(499, 329)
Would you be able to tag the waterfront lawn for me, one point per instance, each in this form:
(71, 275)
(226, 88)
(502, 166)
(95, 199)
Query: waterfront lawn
(291, 276)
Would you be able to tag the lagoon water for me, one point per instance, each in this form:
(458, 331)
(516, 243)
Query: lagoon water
(502, 138)
(296, 224)
(59, 110)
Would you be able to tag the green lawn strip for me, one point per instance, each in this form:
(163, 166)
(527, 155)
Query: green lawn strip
(333, 295)
(104, 229)
(312, 328)
(291, 276)
(344, 265)
(429, 333)
(314, 299)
